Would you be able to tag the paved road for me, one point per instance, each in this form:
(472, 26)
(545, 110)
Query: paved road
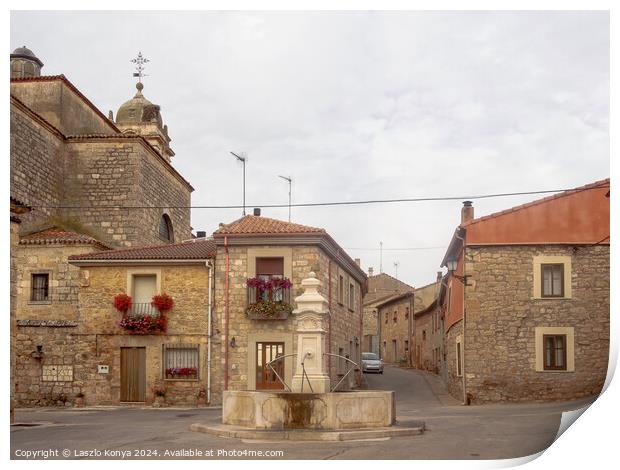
(454, 431)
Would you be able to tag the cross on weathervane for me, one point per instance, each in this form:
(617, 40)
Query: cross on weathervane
(140, 61)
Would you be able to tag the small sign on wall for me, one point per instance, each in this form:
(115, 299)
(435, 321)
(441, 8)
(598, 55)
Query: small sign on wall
(103, 369)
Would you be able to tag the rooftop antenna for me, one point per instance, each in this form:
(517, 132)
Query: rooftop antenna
(140, 61)
(396, 264)
(380, 257)
(290, 181)
(242, 158)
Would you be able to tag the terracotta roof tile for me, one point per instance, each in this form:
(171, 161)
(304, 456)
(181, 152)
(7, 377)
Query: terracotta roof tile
(198, 249)
(596, 184)
(259, 225)
(58, 236)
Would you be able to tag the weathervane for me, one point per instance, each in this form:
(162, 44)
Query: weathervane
(140, 61)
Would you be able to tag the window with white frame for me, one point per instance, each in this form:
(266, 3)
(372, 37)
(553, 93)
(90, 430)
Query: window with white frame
(181, 361)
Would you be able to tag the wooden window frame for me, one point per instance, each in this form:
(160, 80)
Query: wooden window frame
(47, 299)
(542, 280)
(565, 352)
(340, 289)
(351, 296)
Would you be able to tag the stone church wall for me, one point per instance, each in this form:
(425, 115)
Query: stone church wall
(36, 165)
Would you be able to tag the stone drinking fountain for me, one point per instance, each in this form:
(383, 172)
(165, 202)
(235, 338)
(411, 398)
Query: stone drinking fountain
(309, 409)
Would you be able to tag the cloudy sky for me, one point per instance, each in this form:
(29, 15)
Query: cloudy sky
(354, 106)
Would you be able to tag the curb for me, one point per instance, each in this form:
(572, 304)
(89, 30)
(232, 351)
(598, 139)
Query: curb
(411, 428)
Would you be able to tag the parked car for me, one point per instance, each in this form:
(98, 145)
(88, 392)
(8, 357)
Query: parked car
(371, 363)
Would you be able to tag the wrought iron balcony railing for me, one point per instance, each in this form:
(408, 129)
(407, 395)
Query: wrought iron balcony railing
(142, 310)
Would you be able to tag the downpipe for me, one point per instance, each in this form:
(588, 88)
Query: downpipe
(209, 265)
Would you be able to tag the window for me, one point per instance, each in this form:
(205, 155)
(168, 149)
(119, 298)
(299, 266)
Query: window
(351, 296)
(267, 268)
(386, 317)
(144, 288)
(552, 277)
(406, 313)
(555, 352)
(165, 228)
(459, 359)
(423, 335)
(395, 319)
(340, 289)
(181, 361)
(406, 346)
(554, 349)
(40, 288)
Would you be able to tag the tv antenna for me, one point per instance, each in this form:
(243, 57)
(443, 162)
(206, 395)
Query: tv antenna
(396, 264)
(243, 159)
(290, 181)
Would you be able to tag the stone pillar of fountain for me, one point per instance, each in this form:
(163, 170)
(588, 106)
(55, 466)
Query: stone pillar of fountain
(311, 315)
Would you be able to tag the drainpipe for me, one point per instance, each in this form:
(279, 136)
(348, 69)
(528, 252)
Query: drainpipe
(465, 400)
(411, 329)
(226, 317)
(209, 264)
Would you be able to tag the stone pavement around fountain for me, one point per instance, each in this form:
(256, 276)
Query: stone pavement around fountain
(452, 431)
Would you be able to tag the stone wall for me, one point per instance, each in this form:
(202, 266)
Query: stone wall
(94, 339)
(36, 165)
(61, 106)
(428, 343)
(500, 357)
(395, 318)
(122, 172)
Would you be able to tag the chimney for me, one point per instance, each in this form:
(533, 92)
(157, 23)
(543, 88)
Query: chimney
(257, 211)
(467, 212)
(370, 270)
(201, 234)
(358, 261)
(439, 276)
(221, 224)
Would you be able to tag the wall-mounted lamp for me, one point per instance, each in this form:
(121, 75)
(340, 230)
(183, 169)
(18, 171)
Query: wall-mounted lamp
(233, 342)
(451, 264)
(38, 354)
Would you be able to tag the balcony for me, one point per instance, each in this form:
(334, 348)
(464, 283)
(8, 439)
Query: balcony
(269, 298)
(143, 318)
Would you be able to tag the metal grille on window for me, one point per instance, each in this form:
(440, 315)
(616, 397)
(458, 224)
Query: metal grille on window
(181, 361)
(40, 287)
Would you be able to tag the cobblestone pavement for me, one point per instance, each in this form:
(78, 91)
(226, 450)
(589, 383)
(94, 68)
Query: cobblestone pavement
(453, 431)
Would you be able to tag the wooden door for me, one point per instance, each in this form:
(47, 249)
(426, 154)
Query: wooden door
(265, 377)
(133, 374)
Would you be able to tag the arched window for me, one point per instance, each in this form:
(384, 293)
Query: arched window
(165, 228)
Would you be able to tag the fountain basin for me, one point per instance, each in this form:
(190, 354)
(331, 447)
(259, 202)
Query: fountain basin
(326, 411)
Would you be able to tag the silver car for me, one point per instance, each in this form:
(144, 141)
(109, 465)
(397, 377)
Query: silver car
(371, 363)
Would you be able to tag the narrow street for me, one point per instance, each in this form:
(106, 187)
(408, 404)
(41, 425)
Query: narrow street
(484, 432)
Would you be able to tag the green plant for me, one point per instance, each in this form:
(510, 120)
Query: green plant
(269, 309)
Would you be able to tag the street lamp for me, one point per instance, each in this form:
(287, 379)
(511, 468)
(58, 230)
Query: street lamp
(451, 264)
(242, 158)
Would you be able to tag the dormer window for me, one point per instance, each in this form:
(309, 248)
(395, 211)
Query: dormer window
(165, 228)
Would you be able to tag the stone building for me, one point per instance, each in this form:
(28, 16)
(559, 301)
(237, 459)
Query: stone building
(381, 287)
(527, 305)
(395, 317)
(256, 247)
(427, 335)
(81, 173)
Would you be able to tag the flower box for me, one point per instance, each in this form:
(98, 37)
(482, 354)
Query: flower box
(268, 310)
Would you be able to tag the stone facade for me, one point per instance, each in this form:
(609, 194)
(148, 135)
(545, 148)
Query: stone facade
(395, 317)
(344, 325)
(381, 287)
(427, 340)
(94, 339)
(453, 378)
(503, 314)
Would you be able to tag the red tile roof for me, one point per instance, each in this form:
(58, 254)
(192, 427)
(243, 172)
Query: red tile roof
(58, 236)
(259, 225)
(596, 184)
(198, 249)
